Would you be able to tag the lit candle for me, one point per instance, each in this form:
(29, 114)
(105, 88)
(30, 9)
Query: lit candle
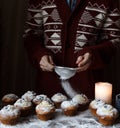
(103, 91)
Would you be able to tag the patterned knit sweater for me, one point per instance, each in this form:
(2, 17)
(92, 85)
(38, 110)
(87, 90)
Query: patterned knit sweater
(53, 29)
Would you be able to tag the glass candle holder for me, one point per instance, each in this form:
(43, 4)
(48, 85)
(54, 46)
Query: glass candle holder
(117, 102)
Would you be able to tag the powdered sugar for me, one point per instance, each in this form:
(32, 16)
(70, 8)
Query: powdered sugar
(80, 99)
(39, 98)
(107, 110)
(22, 103)
(59, 97)
(29, 95)
(45, 106)
(66, 104)
(83, 120)
(97, 103)
(68, 88)
(9, 110)
(65, 74)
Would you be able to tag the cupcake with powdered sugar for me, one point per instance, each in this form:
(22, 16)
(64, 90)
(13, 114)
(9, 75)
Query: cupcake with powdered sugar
(29, 95)
(94, 105)
(58, 98)
(39, 98)
(107, 114)
(9, 115)
(45, 110)
(24, 106)
(69, 108)
(82, 101)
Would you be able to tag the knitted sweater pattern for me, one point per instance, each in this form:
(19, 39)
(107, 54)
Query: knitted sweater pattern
(45, 16)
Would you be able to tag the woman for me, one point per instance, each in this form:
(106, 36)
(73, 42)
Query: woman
(85, 34)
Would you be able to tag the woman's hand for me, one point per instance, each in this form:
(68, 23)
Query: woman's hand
(84, 61)
(46, 63)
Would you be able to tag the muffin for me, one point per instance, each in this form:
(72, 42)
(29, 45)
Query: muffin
(9, 99)
(69, 108)
(107, 114)
(94, 105)
(9, 115)
(58, 99)
(29, 95)
(45, 110)
(24, 106)
(81, 100)
(39, 98)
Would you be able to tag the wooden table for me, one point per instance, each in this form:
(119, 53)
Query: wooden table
(81, 120)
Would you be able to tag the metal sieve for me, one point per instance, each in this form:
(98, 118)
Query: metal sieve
(65, 72)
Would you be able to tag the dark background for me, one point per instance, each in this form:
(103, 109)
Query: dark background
(16, 73)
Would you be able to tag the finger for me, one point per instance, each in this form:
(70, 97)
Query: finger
(50, 63)
(44, 64)
(79, 59)
(50, 67)
(51, 60)
(78, 69)
(46, 59)
(84, 67)
(44, 68)
(43, 60)
(86, 59)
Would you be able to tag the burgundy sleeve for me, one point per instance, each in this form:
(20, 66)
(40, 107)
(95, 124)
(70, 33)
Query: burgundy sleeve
(33, 35)
(101, 54)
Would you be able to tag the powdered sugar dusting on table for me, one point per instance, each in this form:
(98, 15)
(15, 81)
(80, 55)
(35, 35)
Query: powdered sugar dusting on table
(82, 120)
